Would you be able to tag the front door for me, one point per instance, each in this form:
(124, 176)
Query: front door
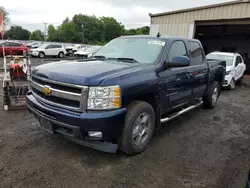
(198, 69)
(49, 50)
(174, 81)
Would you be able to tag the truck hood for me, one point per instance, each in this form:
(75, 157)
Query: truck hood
(229, 68)
(83, 73)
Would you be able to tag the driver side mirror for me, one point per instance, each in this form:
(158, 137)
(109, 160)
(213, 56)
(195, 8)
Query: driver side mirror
(180, 61)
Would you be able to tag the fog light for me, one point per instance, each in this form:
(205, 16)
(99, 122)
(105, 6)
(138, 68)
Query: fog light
(95, 134)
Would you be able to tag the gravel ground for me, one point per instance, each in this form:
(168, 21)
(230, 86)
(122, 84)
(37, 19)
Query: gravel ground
(204, 148)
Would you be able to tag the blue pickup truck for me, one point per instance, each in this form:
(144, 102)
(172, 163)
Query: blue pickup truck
(123, 93)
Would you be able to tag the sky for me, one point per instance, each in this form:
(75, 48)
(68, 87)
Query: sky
(31, 14)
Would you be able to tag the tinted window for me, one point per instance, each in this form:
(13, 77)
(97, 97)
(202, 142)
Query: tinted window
(196, 54)
(57, 46)
(49, 47)
(178, 48)
(238, 60)
(6, 44)
(15, 44)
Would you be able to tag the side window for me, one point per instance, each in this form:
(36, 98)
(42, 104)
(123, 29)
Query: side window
(15, 45)
(196, 54)
(49, 47)
(6, 44)
(178, 48)
(238, 61)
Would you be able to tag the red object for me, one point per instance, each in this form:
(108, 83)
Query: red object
(1, 24)
(13, 48)
(16, 71)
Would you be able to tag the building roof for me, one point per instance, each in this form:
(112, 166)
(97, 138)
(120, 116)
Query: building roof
(200, 8)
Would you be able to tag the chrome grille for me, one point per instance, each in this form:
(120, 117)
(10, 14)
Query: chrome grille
(64, 95)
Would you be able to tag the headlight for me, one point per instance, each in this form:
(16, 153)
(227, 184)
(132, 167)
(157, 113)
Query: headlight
(100, 98)
(228, 72)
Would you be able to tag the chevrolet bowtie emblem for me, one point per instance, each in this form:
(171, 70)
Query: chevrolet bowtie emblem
(46, 90)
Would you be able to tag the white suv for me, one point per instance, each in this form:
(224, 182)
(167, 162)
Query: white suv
(48, 50)
(235, 67)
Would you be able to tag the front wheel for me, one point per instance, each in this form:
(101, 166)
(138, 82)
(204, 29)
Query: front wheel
(41, 55)
(138, 129)
(232, 85)
(211, 98)
(241, 80)
(61, 54)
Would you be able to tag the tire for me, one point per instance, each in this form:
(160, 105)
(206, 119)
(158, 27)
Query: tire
(232, 85)
(211, 98)
(41, 55)
(241, 80)
(138, 128)
(61, 55)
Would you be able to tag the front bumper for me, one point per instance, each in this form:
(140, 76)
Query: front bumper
(33, 53)
(76, 125)
(227, 80)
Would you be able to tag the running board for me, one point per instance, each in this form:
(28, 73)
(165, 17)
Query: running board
(175, 115)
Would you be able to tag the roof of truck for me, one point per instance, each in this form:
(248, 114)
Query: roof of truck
(161, 37)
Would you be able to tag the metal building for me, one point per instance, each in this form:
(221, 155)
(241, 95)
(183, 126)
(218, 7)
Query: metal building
(220, 27)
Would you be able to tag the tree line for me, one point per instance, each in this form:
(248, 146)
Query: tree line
(80, 29)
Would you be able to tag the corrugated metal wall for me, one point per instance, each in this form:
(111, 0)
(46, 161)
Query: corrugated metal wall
(177, 24)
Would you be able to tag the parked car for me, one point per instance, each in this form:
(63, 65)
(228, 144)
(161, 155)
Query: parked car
(48, 50)
(107, 102)
(36, 44)
(235, 67)
(71, 49)
(13, 48)
(87, 52)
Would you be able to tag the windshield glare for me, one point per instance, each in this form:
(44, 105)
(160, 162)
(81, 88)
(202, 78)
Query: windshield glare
(143, 50)
(227, 58)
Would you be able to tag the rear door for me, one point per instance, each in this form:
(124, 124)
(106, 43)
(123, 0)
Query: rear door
(57, 49)
(239, 67)
(198, 69)
(174, 81)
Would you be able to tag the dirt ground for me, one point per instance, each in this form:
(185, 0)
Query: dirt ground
(204, 148)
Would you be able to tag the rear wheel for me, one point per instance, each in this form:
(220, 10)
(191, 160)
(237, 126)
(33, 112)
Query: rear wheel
(138, 129)
(41, 55)
(211, 98)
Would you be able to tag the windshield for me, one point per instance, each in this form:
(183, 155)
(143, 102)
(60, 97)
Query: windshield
(91, 49)
(43, 46)
(227, 58)
(143, 50)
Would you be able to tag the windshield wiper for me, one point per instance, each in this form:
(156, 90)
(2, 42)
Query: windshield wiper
(98, 57)
(132, 60)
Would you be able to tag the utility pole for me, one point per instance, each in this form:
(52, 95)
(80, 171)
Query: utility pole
(82, 33)
(45, 30)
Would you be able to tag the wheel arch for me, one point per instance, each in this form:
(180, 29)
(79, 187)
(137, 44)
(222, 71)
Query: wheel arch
(152, 99)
